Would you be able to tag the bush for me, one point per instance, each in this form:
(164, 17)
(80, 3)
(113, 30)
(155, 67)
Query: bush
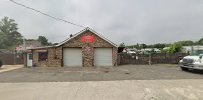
(175, 48)
(1, 63)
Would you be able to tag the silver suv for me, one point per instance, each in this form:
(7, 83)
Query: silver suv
(193, 61)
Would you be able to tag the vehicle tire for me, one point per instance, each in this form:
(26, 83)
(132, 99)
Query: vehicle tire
(184, 69)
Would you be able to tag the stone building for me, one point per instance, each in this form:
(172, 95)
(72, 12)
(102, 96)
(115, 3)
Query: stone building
(84, 49)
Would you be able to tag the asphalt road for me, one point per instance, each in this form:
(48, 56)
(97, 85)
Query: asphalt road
(187, 89)
(127, 72)
(129, 82)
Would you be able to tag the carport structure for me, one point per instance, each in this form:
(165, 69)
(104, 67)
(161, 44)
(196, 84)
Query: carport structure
(84, 49)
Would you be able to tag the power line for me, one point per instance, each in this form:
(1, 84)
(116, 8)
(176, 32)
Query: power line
(45, 14)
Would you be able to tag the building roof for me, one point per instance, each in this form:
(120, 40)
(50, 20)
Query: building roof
(87, 29)
(190, 48)
(77, 34)
(44, 47)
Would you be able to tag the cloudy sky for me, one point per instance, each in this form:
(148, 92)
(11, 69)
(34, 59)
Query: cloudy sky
(128, 21)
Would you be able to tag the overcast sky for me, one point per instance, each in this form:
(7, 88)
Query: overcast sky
(128, 21)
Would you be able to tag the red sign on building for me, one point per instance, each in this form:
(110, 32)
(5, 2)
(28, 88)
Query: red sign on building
(87, 39)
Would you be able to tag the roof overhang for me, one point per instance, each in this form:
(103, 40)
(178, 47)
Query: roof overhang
(77, 34)
(87, 29)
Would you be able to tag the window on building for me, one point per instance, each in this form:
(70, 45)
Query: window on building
(43, 56)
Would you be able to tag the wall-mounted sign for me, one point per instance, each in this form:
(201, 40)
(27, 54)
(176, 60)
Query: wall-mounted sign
(87, 39)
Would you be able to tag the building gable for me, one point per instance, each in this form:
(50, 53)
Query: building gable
(97, 40)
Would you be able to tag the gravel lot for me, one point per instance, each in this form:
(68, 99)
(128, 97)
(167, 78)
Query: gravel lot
(127, 72)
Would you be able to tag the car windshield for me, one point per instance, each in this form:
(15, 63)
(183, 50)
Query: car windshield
(197, 53)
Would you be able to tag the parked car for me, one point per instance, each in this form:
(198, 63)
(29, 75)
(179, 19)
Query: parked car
(193, 61)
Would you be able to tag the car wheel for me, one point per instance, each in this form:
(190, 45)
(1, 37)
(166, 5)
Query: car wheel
(184, 69)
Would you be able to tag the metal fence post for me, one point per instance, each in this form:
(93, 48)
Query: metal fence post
(150, 59)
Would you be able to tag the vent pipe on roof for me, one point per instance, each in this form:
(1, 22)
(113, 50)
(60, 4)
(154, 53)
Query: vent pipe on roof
(71, 35)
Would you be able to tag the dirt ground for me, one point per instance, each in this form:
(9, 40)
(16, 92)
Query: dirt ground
(126, 72)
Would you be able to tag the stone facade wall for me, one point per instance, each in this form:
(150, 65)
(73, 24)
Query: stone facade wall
(115, 52)
(88, 48)
(55, 54)
(55, 57)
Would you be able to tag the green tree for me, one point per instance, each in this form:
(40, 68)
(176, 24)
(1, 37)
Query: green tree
(143, 46)
(175, 48)
(165, 51)
(185, 43)
(122, 45)
(134, 46)
(159, 45)
(9, 35)
(44, 41)
(200, 42)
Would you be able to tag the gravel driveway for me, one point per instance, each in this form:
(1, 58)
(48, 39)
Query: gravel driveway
(127, 72)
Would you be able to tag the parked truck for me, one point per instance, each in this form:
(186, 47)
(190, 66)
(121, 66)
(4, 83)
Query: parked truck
(193, 61)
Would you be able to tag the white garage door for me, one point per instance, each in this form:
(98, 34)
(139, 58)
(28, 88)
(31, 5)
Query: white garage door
(72, 57)
(103, 57)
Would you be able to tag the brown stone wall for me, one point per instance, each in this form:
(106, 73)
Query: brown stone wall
(88, 55)
(55, 54)
(88, 48)
(77, 41)
(55, 57)
(115, 51)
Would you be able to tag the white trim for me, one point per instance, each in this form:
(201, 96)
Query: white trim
(41, 47)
